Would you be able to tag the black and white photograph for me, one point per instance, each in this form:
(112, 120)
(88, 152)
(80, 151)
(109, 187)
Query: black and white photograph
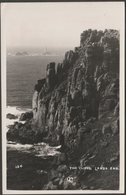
(62, 89)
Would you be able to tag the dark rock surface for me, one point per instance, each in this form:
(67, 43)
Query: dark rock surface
(84, 86)
(24, 133)
(26, 116)
(11, 116)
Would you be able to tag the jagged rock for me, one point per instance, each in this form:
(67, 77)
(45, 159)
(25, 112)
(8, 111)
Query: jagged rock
(11, 116)
(77, 98)
(112, 89)
(103, 81)
(106, 60)
(59, 73)
(89, 52)
(110, 99)
(98, 72)
(35, 103)
(39, 85)
(50, 75)
(84, 87)
(26, 116)
(70, 56)
(24, 133)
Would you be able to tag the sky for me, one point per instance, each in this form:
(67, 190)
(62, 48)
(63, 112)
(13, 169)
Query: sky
(56, 24)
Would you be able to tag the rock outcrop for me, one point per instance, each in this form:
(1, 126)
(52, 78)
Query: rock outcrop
(84, 85)
(11, 116)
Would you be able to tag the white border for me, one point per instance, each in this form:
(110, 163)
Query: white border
(3, 89)
(122, 118)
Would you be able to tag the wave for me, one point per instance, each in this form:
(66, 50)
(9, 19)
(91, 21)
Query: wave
(40, 150)
(17, 111)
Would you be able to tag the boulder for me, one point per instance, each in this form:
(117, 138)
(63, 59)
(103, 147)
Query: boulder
(24, 133)
(26, 116)
(11, 116)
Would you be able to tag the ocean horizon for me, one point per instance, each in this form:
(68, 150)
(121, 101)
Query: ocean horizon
(23, 71)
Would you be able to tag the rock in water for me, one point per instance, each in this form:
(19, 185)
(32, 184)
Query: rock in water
(11, 116)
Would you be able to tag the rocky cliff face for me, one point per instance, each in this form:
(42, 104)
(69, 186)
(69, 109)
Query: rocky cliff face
(84, 86)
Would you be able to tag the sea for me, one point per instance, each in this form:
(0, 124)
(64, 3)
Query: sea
(27, 165)
(23, 71)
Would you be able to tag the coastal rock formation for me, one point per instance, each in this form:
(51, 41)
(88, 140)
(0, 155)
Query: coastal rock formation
(84, 85)
(26, 116)
(11, 116)
(77, 106)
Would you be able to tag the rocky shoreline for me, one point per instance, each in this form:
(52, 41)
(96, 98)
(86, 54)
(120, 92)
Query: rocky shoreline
(79, 102)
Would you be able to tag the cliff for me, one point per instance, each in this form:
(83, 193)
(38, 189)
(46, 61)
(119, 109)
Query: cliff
(77, 105)
(84, 86)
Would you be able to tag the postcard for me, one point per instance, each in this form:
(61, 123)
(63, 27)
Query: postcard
(63, 79)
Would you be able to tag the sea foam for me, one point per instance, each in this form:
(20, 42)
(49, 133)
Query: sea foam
(40, 150)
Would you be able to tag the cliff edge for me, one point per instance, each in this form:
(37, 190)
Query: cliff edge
(84, 86)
